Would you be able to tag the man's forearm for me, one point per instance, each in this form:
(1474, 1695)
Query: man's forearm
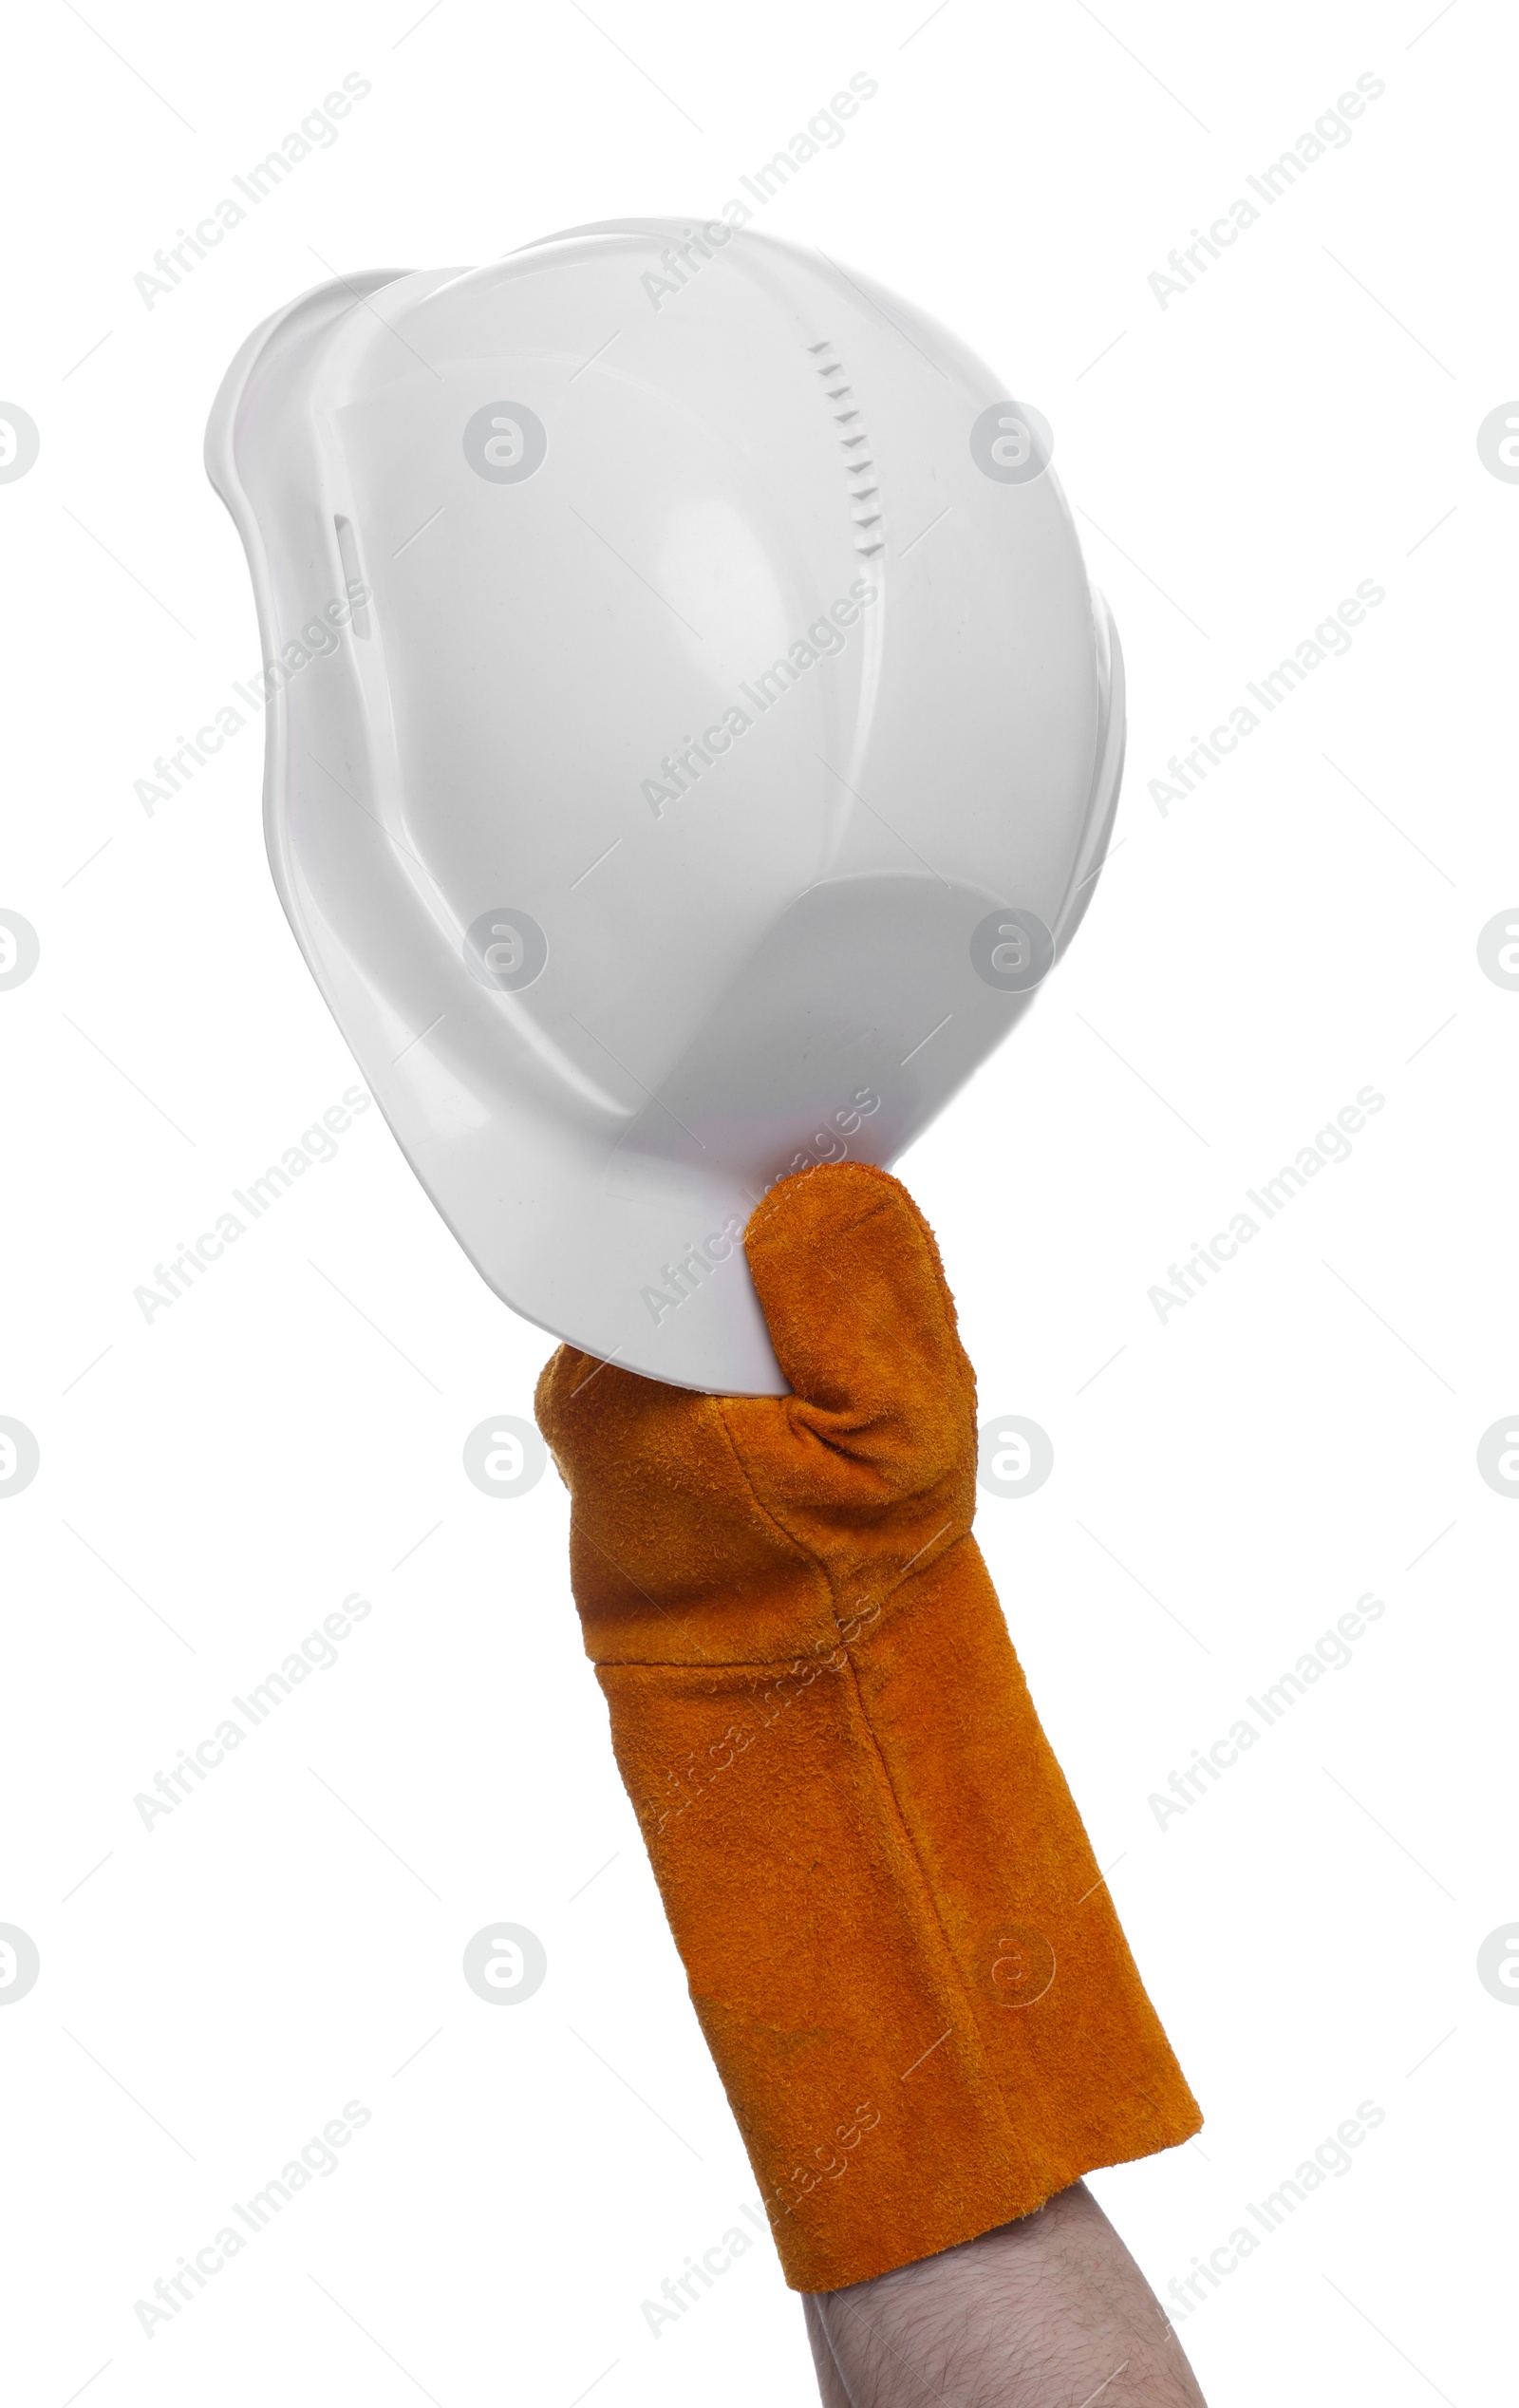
(1049, 2312)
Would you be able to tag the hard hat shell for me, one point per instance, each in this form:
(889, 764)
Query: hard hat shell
(693, 736)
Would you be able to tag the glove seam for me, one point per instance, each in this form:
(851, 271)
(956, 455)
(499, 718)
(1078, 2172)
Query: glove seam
(793, 1538)
(927, 1901)
(753, 1664)
(929, 1905)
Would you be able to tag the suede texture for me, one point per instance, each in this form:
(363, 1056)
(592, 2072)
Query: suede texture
(898, 1940)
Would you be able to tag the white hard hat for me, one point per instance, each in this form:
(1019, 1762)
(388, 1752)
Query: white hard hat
(693, 736)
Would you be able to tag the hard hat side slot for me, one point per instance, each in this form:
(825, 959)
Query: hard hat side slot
(353, 581)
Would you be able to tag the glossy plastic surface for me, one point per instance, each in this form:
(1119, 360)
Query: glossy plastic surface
(691, 711)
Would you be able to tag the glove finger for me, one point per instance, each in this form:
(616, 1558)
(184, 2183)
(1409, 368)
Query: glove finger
(862, 1321)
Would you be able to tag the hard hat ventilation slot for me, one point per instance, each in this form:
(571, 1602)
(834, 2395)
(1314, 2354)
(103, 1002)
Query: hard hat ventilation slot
(859, 468)
(349, 562)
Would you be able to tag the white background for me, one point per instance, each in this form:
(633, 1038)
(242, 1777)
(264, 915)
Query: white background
(1227, 1483)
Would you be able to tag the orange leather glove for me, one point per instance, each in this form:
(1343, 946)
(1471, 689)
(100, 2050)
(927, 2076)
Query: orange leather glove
(898, 1940)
